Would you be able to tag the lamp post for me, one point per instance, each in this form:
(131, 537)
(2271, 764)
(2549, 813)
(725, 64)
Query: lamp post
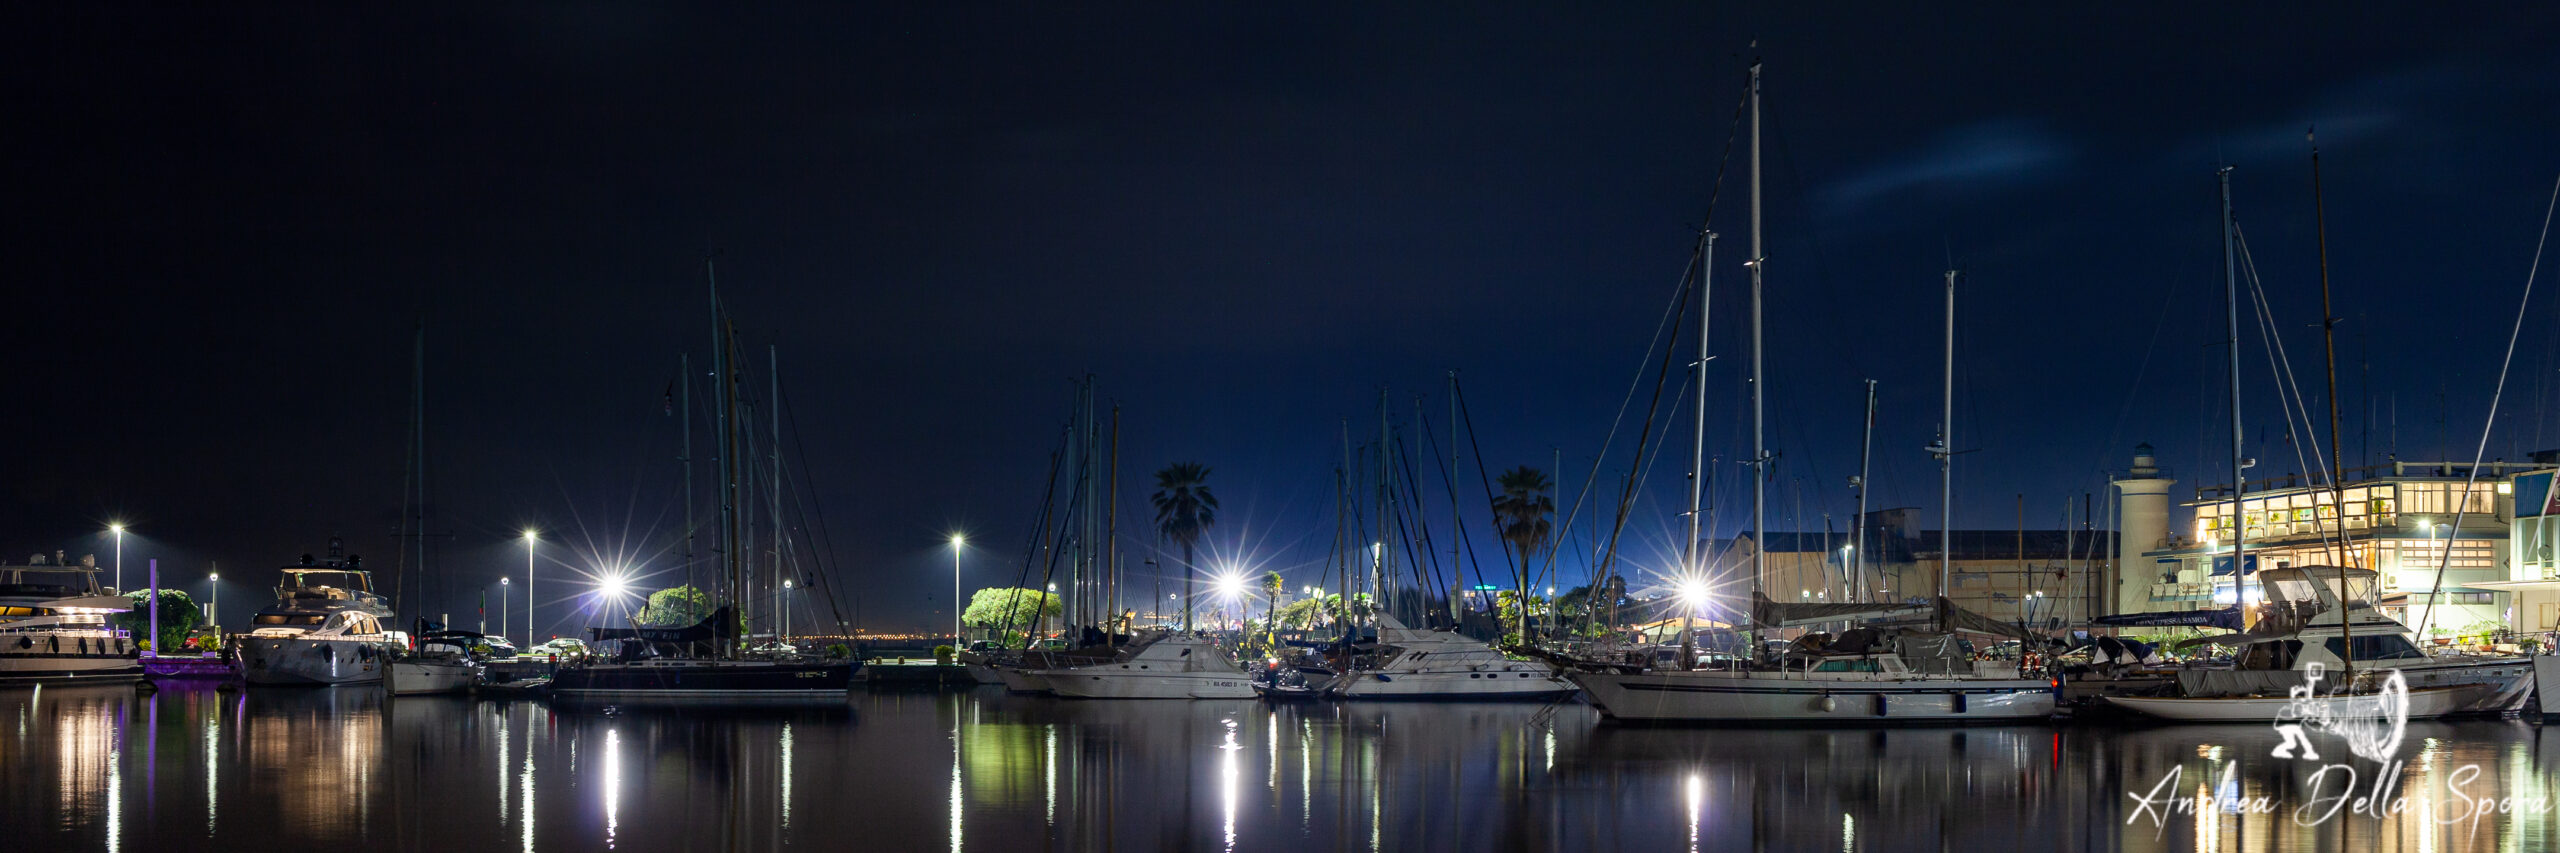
(502, 605)
(957, 541)
(530, 540)
(786, 611)
(118, 529)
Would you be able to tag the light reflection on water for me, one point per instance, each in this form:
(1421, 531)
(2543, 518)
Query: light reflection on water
(277, 768)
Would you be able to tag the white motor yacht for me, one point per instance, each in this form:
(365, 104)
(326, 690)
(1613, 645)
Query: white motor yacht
(2303, 629)
(324, 629)
(1411, 664)
(54, 625)
(1166, 666)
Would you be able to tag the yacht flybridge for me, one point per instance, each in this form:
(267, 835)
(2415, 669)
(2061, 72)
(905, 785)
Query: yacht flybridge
(54, 624)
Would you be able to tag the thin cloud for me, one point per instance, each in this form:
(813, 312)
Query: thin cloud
(2007, 151)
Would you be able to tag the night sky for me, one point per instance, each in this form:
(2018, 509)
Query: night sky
(225, 224)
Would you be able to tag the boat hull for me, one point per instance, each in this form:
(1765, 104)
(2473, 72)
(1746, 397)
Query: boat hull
(704, 682)
(1513, 685)
(410, 678)
(1723, 697)
(1019, 680)
(302, 661)
(2424, 704)
(1087, 683)
(2546, 683)
(39, 662)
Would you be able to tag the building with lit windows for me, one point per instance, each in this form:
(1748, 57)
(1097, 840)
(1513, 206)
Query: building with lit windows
(2397, 519)
(2532, 577)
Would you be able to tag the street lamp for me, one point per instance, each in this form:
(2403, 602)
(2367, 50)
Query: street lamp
(503, 585)
(215, 616)
(957, 541)
(786, 610)
(530, 541)
(118, 529)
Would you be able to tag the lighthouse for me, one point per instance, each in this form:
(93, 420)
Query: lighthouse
(2142, 524)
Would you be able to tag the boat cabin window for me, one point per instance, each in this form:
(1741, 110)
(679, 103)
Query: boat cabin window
(332, 579)
(1859, 665)
(2376, 647)
(42, 583)
(288, 619)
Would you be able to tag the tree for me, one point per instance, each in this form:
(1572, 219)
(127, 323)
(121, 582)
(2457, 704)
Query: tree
(1303, 612)
(1272, 583)
(178, 617)
(1184, 510)
(1010, 608)
(674, 607)
(1520, 516)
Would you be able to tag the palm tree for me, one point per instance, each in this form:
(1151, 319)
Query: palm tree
(1520, 516)
(1185, 508)
(1271, 583)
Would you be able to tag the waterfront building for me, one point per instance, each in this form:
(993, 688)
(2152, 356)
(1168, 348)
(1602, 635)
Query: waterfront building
(2047, 577)
(2396, 518)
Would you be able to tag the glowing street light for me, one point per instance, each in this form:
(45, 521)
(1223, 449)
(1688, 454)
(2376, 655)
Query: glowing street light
(503, 586)
(957, 542)
(531, 539)
(786, 610)
(117, 528)
(215, 615)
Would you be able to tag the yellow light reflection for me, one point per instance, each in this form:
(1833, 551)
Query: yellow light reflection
(1848, 833)
(1697, 788)
(955, 786)
(613, 781)
(524, 812)
(1229, 775)
(212, 771)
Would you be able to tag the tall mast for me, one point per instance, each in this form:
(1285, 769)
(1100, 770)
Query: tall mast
(723, 367)
(1759, 444)
(1111, 534)
(1695, 555)
(773, 412)
(1946, 451)
(418, 460)
(1378, 582)
(684, 460)
(2239, 480)
(1457, 538)
(2337, 469)
(1858, 539)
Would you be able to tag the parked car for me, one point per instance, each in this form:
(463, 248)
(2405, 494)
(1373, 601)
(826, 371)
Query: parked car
(566, 647)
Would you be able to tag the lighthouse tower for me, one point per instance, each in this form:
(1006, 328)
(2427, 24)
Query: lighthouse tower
(2142, 524)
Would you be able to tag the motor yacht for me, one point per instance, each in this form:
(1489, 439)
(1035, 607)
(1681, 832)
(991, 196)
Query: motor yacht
(55, 624)
(323, 629)
(1158, 666)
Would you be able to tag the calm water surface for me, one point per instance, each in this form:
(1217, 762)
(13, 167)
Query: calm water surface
(348, 770)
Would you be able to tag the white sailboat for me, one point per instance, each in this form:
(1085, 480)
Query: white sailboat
(1163, 666)
(1411, 664)
(441, 663)
(1862, 676)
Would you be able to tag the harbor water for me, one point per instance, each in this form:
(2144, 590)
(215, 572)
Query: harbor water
(349, 769)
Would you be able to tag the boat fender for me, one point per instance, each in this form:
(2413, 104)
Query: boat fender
(26, 642)
(1826, 704)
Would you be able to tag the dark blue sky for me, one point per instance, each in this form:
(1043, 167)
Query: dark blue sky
(1244, 222)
